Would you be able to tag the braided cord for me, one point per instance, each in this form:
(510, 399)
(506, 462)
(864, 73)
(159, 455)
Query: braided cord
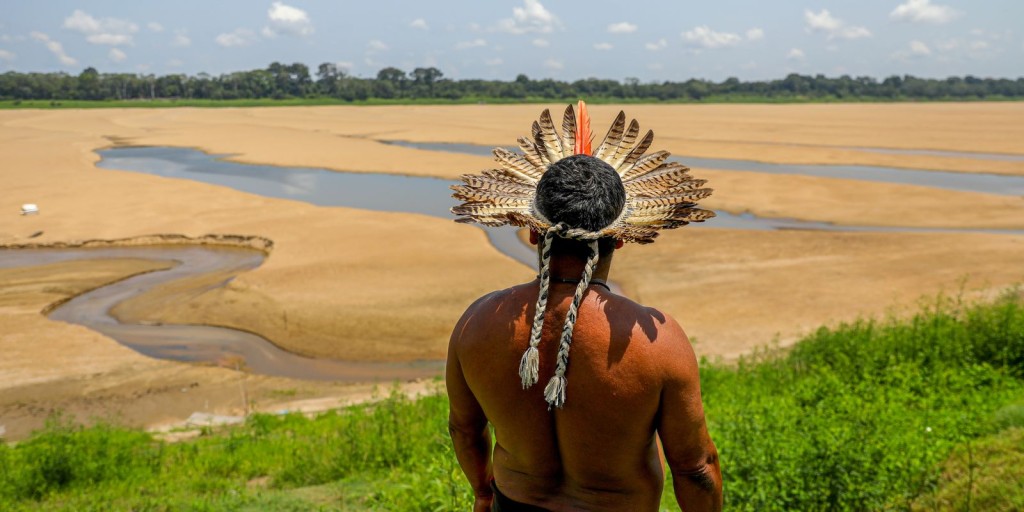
(554, 392)
(529, 365)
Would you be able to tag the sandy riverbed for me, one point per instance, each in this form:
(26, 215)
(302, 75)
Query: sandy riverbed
(377, 286)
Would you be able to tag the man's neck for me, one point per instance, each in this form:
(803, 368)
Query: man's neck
(568, 268)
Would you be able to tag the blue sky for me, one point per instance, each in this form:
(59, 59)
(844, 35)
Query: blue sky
(652, 40)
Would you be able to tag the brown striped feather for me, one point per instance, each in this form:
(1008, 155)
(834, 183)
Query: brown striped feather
(639, 150)
(517, 162)
(683, 196)
(487, 183)
(618, 156)
(613, 138)
(549, 137)
(569, 131)
(509, 175)
(471, 194)
(642, 166)
(492, 198)
(645, 190)
(532, 154)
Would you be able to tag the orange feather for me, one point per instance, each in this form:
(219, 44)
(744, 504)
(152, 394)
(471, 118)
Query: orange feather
(583, 137)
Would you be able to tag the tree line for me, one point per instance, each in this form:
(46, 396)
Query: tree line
(284, 81)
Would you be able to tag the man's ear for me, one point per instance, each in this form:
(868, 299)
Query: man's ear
(619, 244)
(534, 237)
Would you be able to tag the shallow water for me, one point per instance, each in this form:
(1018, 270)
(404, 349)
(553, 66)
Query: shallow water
(197, 343)
(967, 182)
(1000, 157)
(408, 194)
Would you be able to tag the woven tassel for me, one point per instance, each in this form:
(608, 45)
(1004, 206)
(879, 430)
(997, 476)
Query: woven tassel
(554, 392)
(529, 367)
(530, 363)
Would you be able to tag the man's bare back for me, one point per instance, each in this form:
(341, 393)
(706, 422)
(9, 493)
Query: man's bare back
(633, 379)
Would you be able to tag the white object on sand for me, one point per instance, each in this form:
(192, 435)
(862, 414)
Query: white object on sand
(29, 209)
(203, 419)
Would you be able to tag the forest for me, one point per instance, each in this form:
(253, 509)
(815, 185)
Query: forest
(329, 82)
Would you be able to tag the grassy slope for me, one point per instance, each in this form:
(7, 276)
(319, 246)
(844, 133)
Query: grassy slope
(868, 416)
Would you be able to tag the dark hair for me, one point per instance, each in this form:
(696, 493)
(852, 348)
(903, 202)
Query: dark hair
(581, 191)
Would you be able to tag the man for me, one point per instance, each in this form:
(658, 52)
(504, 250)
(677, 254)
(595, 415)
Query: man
(634, 374)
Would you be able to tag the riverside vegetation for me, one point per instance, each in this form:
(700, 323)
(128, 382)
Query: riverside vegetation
(294, 83)
(918, 414)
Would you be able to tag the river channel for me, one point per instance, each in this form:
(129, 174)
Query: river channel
(420, 195)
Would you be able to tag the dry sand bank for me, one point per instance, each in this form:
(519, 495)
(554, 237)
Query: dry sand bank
(51, 367)
(354, 284)
(733, 290)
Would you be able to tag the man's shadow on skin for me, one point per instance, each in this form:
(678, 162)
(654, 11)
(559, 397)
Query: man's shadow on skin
(622, 318)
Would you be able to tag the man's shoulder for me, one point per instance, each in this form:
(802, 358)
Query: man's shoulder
(517, 293)
(506, 302)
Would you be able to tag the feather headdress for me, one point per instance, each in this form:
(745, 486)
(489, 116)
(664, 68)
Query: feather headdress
(659, 195)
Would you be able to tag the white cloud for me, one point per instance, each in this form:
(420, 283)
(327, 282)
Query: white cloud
(110, 39)
(554, 64)
(923, 11)
(476, 43)
(6, 55)
(532, 17)
(755, 34)
(181, 39)
(116, 55)
(916, 50)
(175, 63)
(704, 37)
(497, 61)
(419, 23)
(973, 49)
(155, 27)
(55, 48)
(376, 45)
(622, 27)
(603, 46)
(979, 45)
(344, 65)
(948, 45)
(240, 37)
(833, 27)
(919, 48)
(657, 45)
(541, 43)
(106, 31)
(287, 20)
(795, 54)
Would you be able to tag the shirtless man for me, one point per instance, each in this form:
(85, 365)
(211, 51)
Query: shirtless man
(634, 377)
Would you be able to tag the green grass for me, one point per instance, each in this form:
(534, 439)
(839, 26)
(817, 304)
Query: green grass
(316, 101)
(983, 474)
(915, 414)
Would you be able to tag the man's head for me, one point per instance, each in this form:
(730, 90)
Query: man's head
(583, 192)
